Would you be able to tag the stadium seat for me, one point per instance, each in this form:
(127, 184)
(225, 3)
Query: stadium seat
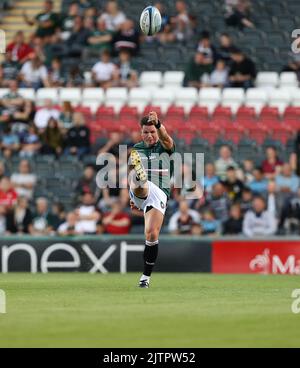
(116, 98)
(288, 79)
(233, 98)
(27, 93)
(210, 98)
(105, 112)
(46, 93)
(269, 113)
(173, 79)
(139, 98)
(92, 97)
(199, 113)
(267, 80)
(296, 98)
(256, 98)
(70, 94)
(151, 79)
(186, 97)
(245, 113)
(221, 114)
(279, 98)
(163, 98)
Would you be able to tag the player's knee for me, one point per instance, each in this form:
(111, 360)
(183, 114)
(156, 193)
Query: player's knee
(152, 233)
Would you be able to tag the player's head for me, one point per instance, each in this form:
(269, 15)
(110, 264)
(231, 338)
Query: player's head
(148, 131)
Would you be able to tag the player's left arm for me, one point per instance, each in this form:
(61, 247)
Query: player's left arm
(166, 141)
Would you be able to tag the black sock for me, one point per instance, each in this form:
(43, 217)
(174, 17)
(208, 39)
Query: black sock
(150, 255)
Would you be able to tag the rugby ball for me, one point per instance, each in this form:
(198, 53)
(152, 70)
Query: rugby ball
(150, 21)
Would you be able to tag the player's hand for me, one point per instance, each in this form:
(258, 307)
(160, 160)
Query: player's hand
(153, 117)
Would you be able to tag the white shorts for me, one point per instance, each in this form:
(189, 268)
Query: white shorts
(156, 198)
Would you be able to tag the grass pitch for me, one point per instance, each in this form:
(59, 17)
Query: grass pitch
(179, 310)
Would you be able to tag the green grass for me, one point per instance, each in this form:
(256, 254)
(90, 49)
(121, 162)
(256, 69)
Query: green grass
(179, 310)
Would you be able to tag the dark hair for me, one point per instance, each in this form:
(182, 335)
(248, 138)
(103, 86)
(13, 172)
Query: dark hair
(145, 121)
(230, 168)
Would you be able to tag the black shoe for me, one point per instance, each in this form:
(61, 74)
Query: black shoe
(144, 284)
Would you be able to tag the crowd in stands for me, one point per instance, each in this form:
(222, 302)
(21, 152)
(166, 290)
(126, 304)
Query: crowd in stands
(239, 197)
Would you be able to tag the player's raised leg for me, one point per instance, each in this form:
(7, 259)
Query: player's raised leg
(153, 223)
(137, 177)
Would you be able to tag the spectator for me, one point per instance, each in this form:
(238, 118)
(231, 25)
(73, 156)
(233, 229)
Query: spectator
(293, 63)
(89, 24)
(20, 50)
(88, 215)
(219, 76)
(52, 139)
(56, 77)
(71, 226)
(30, 142)
(47, 21)
(246, 200)
(127, 75)
(273, 200)
(9, 70)
(87, 183)
(233, 185)
(207, 49)
(240, 16)
(43, 222)
(24, 181)
(242, 70)
(166, 33)
(44, 114)
(209, 224)
(33, 74)
(248, 167)
(23, 117)
(116, 222)
(75, 77)
(183, 24)
(224, 161)
(68, 20)
(272, 164)
(2, 219)
(66, 116)
(9, 142)
(226, 48)
(184, 221)
(58, 211)
(195, 70)
(234, 224)
(78, 38)
(78, 137)
(258, 221)
(287, 181)
(290, 215)
(210, 178)
(19, 218)
(219, 202)
(100, 39)
(260, 184)
(12, 102)
(127, 38)
(165, 19)
(105, 72)
(113, 17)
(8, 195)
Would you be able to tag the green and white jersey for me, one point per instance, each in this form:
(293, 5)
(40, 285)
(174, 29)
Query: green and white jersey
(157, 163)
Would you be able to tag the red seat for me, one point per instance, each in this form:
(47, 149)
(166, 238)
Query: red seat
(292, 112)
(268, 112)
(234, 134)
(105, 112)
(199, 113)
(210, 134)
(128, 111)
(222, 112)
(257, 133)
(245, 112)
(282, 134)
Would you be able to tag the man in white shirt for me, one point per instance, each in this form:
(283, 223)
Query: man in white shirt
(184, 220)
(43, 115)
(24, 181)
(104, 72)
(113, 17)
(259, 221)
(71, 226)
(88, 216)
